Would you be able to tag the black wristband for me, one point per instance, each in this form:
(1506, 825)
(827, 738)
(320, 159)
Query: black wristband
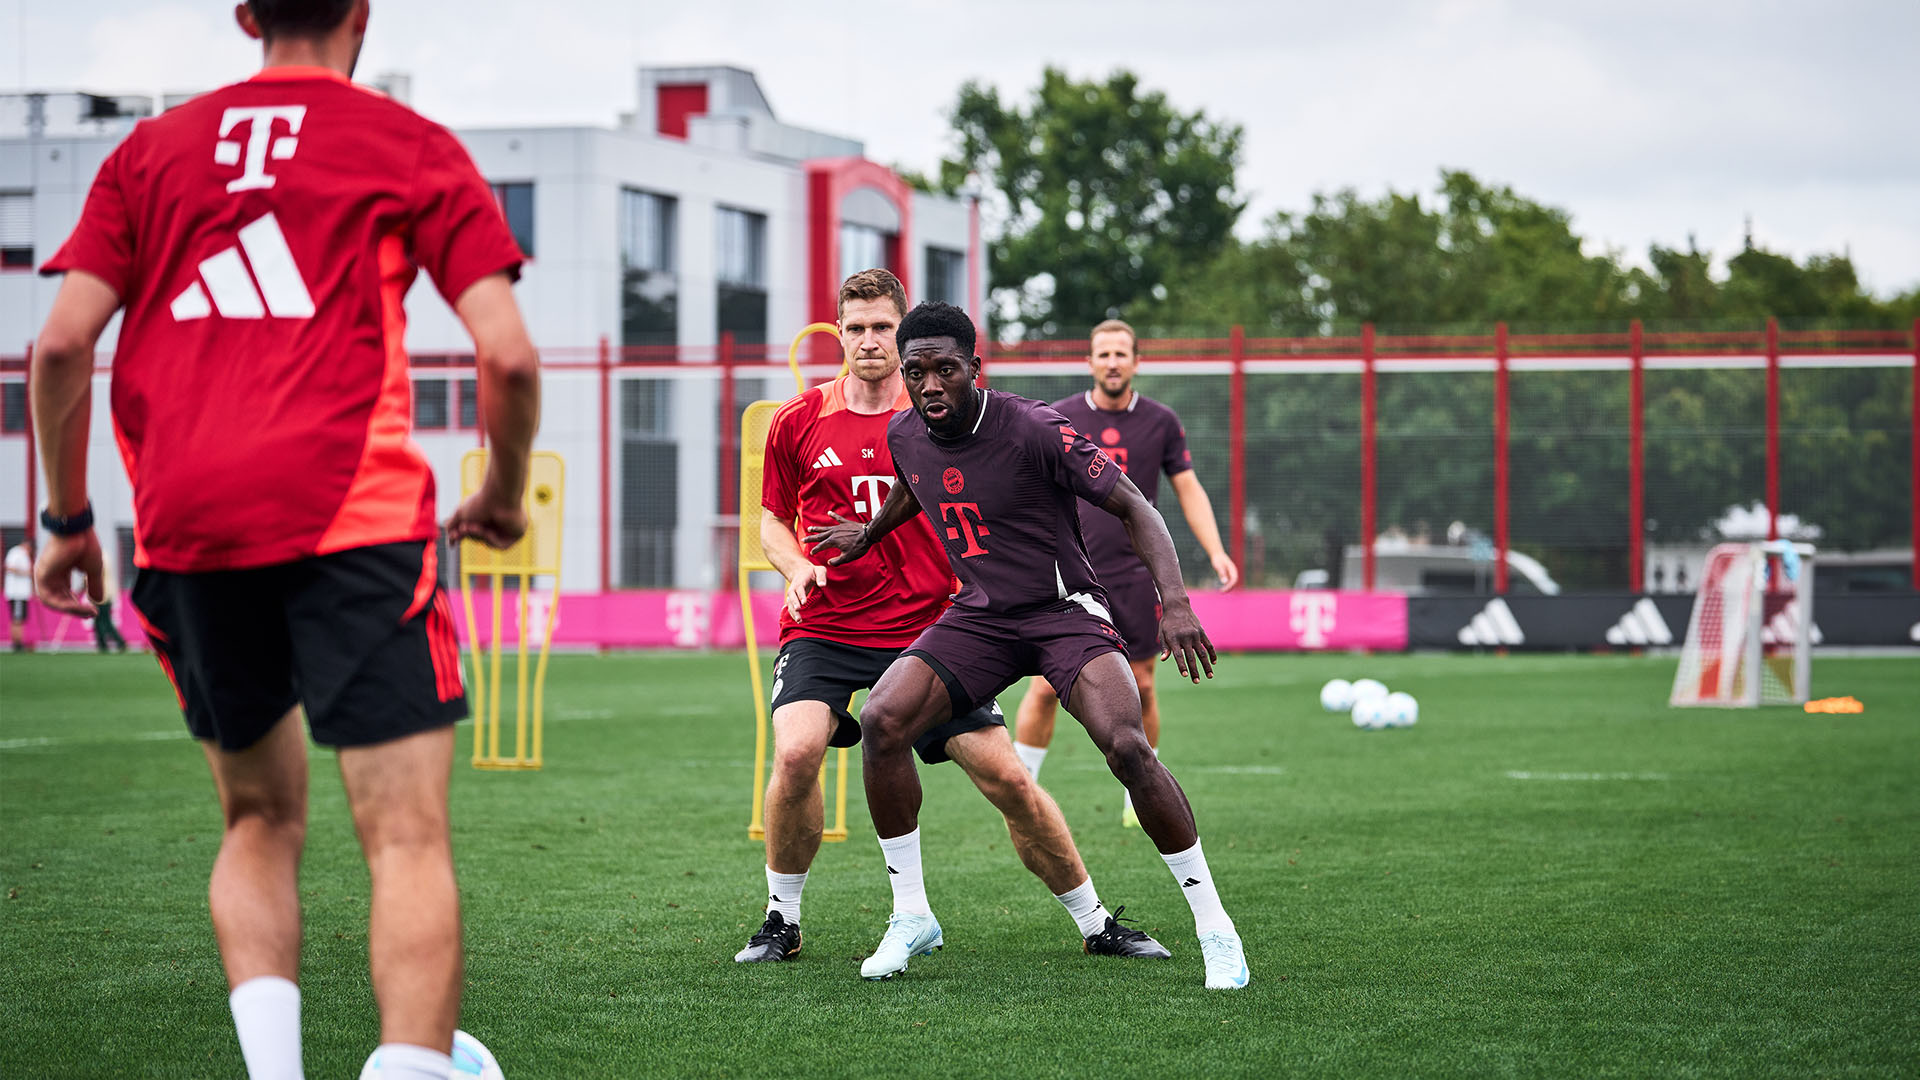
(67, 526)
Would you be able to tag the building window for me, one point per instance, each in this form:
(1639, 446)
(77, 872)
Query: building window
(16, 230)
(740, 259)
(649, 283)
(946, 276)
(430, 404)
(649, 483)
(13, 407)
(516, 202)
(862, 247)
(469, 414)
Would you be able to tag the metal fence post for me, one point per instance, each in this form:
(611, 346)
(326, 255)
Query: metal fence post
(1500, 458)
(1636, 459)
(1237, 448)
(1367, 457)
(606, 464)
(1773, 428)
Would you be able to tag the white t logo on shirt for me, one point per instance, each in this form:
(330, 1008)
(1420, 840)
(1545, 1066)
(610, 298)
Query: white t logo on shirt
(260, 142)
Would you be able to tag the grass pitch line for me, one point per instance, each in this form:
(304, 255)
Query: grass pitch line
(79, 740)
(1514, 774)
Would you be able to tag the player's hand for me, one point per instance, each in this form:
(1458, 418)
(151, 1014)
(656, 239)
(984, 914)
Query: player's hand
(848, 535)
(815, 577)
(1224, 569)
(1182, 638)
(53, 574)
(489, 517)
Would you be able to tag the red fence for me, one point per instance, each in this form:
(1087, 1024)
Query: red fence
(1587, 447)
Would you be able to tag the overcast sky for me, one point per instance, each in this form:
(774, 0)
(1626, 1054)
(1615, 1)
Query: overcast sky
(1648, 121)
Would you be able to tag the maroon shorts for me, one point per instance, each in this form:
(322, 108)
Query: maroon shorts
(978, 654)
(1135, 604)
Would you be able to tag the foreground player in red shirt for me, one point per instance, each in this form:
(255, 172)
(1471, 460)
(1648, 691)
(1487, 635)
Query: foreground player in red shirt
(1145, 438)
(827, 458)
(260, 239)
(998, 477)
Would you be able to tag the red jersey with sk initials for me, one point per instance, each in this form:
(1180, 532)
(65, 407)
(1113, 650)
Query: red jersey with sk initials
(823, 457)
(261, 239)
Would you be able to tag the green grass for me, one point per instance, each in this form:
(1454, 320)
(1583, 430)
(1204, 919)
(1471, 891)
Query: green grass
(1672, 893)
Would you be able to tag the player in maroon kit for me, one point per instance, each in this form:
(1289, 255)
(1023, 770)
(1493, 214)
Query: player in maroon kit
(260, 239)
(827, 455)
(997, 476)
(1145, 439)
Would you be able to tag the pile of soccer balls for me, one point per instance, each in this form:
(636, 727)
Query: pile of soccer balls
(1372, 707)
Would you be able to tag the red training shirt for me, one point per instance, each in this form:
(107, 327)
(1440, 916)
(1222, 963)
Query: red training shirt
(261, 238)
(823, 457)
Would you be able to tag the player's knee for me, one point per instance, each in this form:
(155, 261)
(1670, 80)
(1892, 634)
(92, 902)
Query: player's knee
(885, 727)
(266, 810)
(1130, 757)
(403, 828)
(798, 764)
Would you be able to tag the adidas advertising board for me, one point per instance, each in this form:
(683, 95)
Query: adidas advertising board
(1633, 621)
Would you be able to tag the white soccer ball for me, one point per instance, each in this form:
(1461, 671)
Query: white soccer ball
(1367, 688)
(1337, 696)
(1401, 709)
(1370, 713)
(471, 1058)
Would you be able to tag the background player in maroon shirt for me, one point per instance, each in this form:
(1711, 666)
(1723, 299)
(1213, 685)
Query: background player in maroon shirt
(998, 477)
(260, 239)
(1145, 438)
(826, 458)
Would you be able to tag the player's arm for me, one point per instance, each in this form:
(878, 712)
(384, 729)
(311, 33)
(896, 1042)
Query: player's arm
(782, 548)
(853, 538)
(509, 371)
(1198, 510)
(1180, 632)
(62, 382)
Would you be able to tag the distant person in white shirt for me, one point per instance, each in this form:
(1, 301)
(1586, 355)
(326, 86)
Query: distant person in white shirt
(19, 591)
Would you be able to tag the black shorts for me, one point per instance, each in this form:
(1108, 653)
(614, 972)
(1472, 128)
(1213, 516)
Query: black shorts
(978, 654)
(814, 669)
(1135, 604)
(18, 609)
(362, 639)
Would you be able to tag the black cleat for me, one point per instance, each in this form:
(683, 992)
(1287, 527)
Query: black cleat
(775, 940)
(1117, 940)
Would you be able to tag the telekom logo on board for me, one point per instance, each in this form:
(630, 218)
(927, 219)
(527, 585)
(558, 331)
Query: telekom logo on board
(1312, 616)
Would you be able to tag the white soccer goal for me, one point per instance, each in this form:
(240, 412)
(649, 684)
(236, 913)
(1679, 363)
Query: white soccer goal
(1750, 640)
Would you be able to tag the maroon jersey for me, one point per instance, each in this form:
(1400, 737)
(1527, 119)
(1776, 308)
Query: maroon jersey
(1145, 435)
(1002, 500)
(261, 238)
(823, 457)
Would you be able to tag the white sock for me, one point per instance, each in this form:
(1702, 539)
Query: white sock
(1084, 905)
(404, 1061)
(1190, 870)
(1030, 756)
(1126, 797)
(266, 1015)
(783, 894)
(903, 873)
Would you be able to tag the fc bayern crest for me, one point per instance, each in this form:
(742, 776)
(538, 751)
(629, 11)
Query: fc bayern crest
(1110, 436)
(953, 481)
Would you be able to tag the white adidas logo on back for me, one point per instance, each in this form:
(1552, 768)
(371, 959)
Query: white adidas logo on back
(1495, 625)
(1641, 625)
(273, 287)
(827, 459)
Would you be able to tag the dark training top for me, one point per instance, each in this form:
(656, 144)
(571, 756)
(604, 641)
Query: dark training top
(1145, 435)
(1003, 501)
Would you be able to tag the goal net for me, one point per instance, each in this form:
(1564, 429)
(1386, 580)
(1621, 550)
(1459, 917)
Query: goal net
(1751, 636)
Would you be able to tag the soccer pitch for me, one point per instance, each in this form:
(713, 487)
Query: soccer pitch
(1553, 874)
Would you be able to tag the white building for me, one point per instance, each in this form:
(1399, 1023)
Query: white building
(700, 213)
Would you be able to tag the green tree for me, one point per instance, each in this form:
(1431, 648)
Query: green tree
(1105, 191)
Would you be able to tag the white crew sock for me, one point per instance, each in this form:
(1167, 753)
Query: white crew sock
(266, 1015)
(1084, 905)
(1190, 870)
(1030, 756)
(404, 1061)
(1126, 797)
(903, 873)
(783, 894)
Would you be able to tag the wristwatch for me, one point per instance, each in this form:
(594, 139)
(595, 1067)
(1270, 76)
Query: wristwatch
(67, 526)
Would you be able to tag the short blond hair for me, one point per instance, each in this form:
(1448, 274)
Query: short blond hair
(1113, 326)
(875, 284)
